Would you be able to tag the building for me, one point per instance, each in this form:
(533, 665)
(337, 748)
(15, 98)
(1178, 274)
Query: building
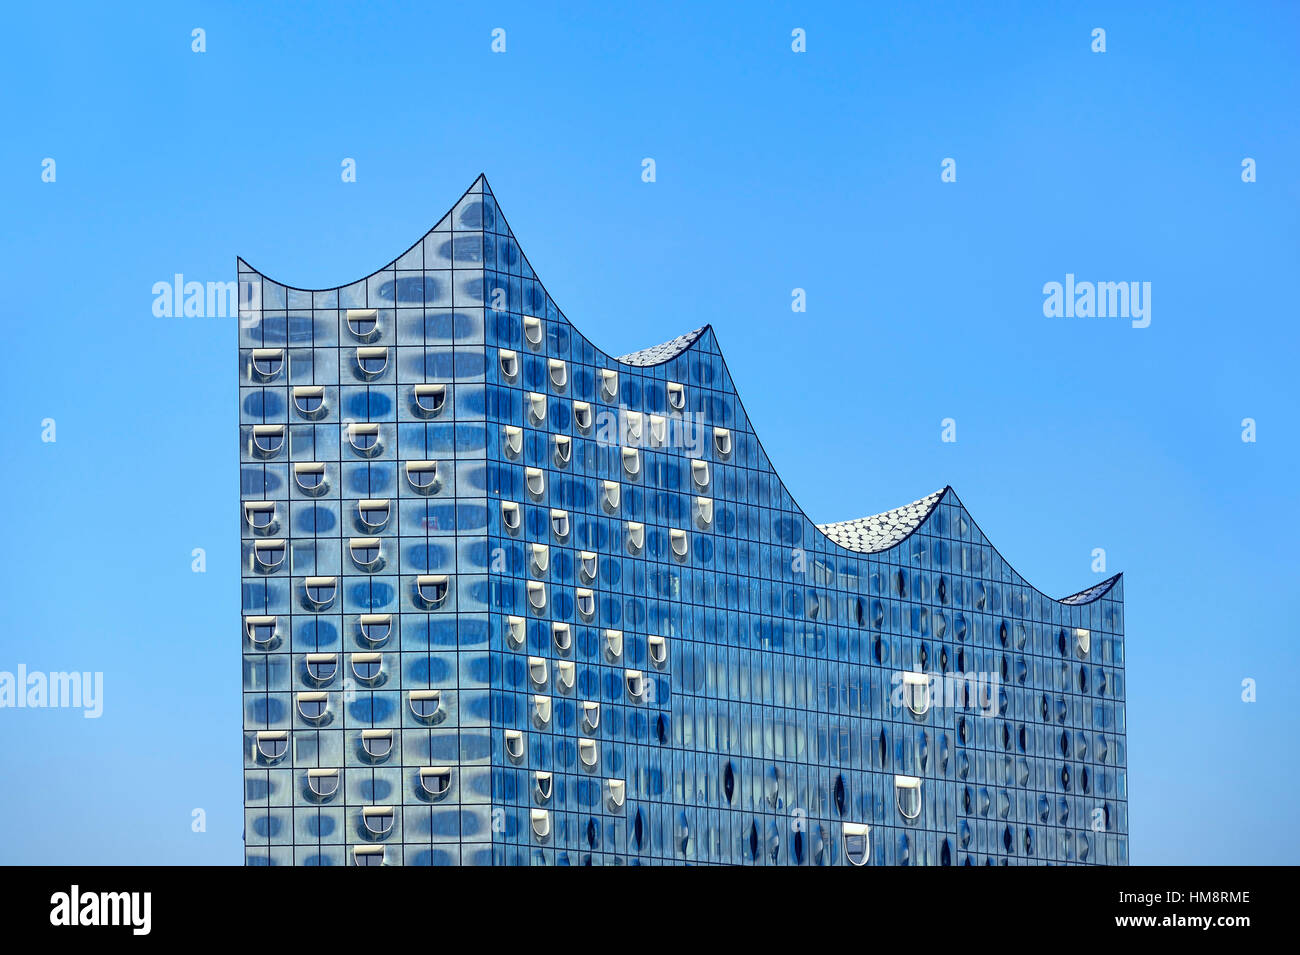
(509, 600)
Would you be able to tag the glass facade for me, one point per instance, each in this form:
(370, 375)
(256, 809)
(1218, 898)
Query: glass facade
(508, 600)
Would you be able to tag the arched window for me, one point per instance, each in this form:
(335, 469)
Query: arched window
(313, 706)
(586, 601)
(614, 644)
(268, 439)
(320, 591)
(377, 743)
(364, 551)
(269, 554)
(372, 361)
(323, 782)
(425, 703)
(432, 589)
(272, 744)
(267, 362)
(309, 400)
(436, 780)
(310, 477)
(260, 630)
(537, 406)
(908, 791)
(509, 363)
(587, 561)
(373, 514)
(422, 475)
(857, 842)
(635, 681)
(378, 819)
(532, 330)
(429, 399)
(364, 438)
(363, 323)
(510, 515)
(560, 523)
(375, 627)
(260, 515)
(582, 415)
(558, 371)
(368, 855)
(367, 666)
(608, 384)
(590, 715)
(321, 667)
(514, 742)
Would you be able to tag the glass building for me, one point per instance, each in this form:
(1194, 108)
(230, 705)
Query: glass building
(508, 600)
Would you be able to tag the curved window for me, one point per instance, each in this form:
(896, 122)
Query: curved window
(510, 515)
(375, 627)
(378, 819)
(560, 523)
(658, 430)
(422, 475)
(541, 558)
(321, 667)
(537, 594)
(532, 330)
(514, 741)
(436, 780)
(635, 681)
(373, 514)
(364, 550)
(432, 589)
(700, 473)
(676, 396)
(377, 743)
(541, 823)
(608, 384)
(1082, 641)
(514, 440)
(565, 673)
(612, 493)
(270, 554)
(658, 648)
(537, 406)
(537, 670)
(268, 439)
(535, 481)
(588, 753)
(632, 461)
(313, 706)
(559, 372)
(908, 791)
(635, 536)
(590, 715)
(260, 629)
(320, 590)
(543, 786)
(425, 703)
(267, 362)
(562, 635)
(722, 441)
(563, 449)
(542, 710)
(614, 643)
(368, 855)
(632, 426)
(260, 515)
(363, 323)
(430, 399)
(367, 666)
(679, 541)
(310, 477)
(916, 692)
(582, 415)
(586, 603)
(372, 361)
(515, 630)
(323, 782)
(364, 437)
(309, 400)
(857, 842)
(588, 563)
(617, 792)
(704, 510)
(272, 744)
(509, 363)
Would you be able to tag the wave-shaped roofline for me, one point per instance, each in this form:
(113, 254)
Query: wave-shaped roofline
(675, 348)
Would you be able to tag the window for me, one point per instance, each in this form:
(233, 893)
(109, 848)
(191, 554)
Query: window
(309, 400)
(377, 743)
(320, 590)
(321, 667)
(436, 780)
(591, 715)
(614, 643)
(432, 589)
(563, 449)
(367, 666)
(722, 441)
(908, 790)
(375, 627)
(612, 492)
(368, 855)
(558, 371)
(515, 630)
(679, 541)
(268, 439)
(537, 406)
(430, 399)
(586, 600)
(541, 823)
(537, 671)
(514, 741)
(635, 681)
(535, 481)
(588, 753)
(425, 703)
(582, 415)
(363, 323)
(372, 361)
(537, 594)
(916, 692)
(532, 330)
(1082, 641)
(260, 515)
(509, 363)
(700, 473)
(560, 523)
(272, 744)
(313, 706)
(422, 475)
(378, 819)
(635, 536)
(310, 477)
(617, 792)
(608, 384)
(632, 427)
(514, 440)
(510, 515)
(364, 437)
(260, 629)
(562, 635)
(704, 510)
(542, 709)
(632, 461)
(676, 396)
(543, 785)
(373, 514)
(565, 673)
(365, 551)
(857, 842)
(658, 648)
(323, 782)
(269, 554)
(541, 558)
(587, 563)
(267, 362)
(658, 430)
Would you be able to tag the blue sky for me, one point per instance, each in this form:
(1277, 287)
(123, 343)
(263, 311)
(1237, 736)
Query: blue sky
(775, 170)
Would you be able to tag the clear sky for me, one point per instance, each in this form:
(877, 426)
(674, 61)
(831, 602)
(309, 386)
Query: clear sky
(775, 170)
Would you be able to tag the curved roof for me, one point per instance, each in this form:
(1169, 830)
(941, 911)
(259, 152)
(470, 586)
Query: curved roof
(864, 535)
